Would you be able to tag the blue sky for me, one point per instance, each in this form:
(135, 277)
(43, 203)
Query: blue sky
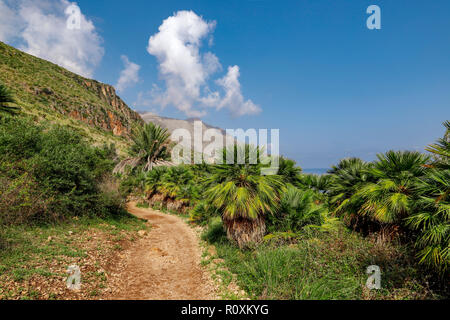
(333, 87)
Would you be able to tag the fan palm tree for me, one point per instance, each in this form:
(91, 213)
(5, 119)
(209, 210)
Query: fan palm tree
(432, 218)
(6, 99)
(391, 198)
(151, 143)
(316, 182)
(174, 182)
(288, 170)
(244, 196)
(345, 180)
(441, 149)
(298, 209)
(154, 180)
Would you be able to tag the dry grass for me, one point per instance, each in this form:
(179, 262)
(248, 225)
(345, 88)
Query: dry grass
(34, 261)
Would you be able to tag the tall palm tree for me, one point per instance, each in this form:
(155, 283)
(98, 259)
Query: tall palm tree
(392, 197)
(244, 196)
(150, 144)
(6, 99)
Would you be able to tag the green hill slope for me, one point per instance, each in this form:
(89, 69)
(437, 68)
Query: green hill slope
(50, 92)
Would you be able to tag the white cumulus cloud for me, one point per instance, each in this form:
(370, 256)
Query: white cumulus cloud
(40, 28)
(9, 22)
(186, 71)
(129, 75)
(233, 99)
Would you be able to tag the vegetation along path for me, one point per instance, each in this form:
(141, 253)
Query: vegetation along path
(165, 264)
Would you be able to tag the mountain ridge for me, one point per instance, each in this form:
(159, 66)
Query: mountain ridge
(46, 90)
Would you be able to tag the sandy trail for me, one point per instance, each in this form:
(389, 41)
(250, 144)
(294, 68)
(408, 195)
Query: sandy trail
(165, 265)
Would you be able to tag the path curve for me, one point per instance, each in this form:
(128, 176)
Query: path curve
(165, 264)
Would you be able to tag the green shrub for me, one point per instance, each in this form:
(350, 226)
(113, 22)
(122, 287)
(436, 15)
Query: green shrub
(203, 212)
(19, 138)
(132, 183)
(320, 266)
(215, 233)
(49, 172)
(298, 209)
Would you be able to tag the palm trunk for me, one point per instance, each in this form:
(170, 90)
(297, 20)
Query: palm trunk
(245, 232)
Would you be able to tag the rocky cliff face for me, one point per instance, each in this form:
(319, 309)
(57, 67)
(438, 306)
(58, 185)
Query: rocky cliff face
(118, 119)
(49, 91)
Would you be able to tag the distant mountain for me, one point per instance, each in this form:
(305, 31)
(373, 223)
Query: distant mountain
(171, 124)
(50, 92)
(188, 124)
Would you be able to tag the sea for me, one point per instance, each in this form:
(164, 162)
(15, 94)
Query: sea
(318, 171)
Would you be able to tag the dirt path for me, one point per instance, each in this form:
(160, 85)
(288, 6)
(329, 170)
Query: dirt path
(164, 265)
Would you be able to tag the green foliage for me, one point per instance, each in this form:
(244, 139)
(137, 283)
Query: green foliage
(289, 171)
(176, 183)
(318, 266)
(391, 198)
(441, 149)
(215, 232)
(150, 143)
(318, 183)
(133, 183)
(47, 91)
(154, 179)
(49, 172)
(402, 191)
(348, 177)
(298, 209)
(240, 191)
(432, 219)
(203, 212)
(6, 101)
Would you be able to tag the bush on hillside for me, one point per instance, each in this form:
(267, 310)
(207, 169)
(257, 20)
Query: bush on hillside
(50, 172)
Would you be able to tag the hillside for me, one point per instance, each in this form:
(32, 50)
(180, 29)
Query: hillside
(50, 92)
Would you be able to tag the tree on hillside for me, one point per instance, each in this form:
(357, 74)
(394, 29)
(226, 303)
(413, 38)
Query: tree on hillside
(244, 196)
(6, 101)
(150, 146)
